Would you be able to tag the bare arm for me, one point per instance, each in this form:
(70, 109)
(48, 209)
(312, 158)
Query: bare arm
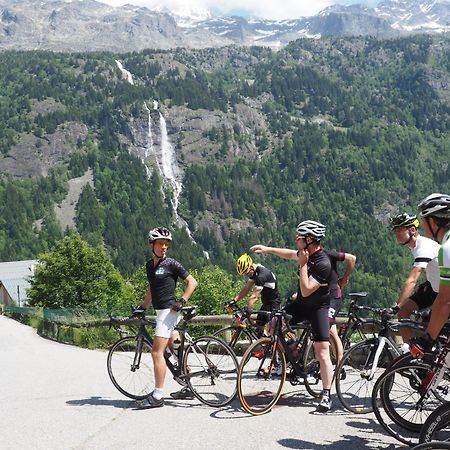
(350, 261)
(191, 284)
(255, 294)
(148, 298)
(440, 311)
(308, 285)
(285, 253)
(409, 285)
(245, 290)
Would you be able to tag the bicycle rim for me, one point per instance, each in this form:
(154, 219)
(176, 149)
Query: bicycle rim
(211, 367)
(313, 382)
(397, 402)
(133, 381)
(437, 425)
(354, 379)
(261, 376)
(236, 337)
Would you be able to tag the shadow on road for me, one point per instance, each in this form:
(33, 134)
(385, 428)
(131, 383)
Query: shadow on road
(349, 441)
(100, 401)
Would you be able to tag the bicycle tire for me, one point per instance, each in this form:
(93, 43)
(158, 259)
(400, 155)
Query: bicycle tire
(210, 368)
(239, 339)
(433, 445)
(397, 404)
(312, 367)
(138, 382)
(259, 385)
(437, 425)
(353, 382)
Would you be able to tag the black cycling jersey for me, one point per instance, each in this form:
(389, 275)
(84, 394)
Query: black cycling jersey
(265, 279)
(335, 289)
(163, 280)
(319, 267)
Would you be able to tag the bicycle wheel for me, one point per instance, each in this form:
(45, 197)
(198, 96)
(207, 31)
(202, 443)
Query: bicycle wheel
(434, 445)
(363, 331)
(437, 425)
(355, 380)
(311, 366)
(399, 402)
(261, 376)
(131, 369)
(236, 337)
(210, 368)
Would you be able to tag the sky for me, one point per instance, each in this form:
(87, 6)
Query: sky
(268, 9)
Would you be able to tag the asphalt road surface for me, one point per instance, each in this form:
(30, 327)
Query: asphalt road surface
(57, 396)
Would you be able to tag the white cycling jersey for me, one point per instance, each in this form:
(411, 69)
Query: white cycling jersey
(426, 257)
(444, 260)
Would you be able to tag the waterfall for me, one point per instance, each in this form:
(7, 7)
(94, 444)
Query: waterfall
(125, 74)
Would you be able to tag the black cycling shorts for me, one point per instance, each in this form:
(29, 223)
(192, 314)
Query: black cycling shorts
(262, 319)
(317, 317)
(424, 295)
(335, 307)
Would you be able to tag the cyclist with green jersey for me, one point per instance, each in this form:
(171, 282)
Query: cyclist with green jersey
(313, 295)
(435, 211)
(162, 275)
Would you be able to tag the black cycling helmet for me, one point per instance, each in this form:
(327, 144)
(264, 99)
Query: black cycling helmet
(435, 205)
(159, 233)
(404, 220)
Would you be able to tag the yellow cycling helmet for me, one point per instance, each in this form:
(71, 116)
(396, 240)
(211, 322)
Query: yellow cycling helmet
(243, 264)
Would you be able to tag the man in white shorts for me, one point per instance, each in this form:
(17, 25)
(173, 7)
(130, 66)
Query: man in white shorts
(424, 251)
(162, 275)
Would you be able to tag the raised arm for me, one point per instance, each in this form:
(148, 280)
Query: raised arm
(285, 253)
(350, 261)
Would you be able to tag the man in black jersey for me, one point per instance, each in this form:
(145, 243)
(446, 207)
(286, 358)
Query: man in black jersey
(264, 284)
(162, 274)
(313, 296)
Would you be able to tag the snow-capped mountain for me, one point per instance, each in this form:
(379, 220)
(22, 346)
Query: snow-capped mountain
(88, 25)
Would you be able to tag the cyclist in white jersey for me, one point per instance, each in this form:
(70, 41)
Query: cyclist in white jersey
(435, 210)
(424, 250)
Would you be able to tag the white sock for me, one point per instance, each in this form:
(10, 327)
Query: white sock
(158, 394)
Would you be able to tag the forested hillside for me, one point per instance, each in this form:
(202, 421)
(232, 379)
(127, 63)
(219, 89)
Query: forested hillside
(344, 131)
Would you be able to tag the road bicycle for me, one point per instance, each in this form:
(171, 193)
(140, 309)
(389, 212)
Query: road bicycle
(406, 395)
(206, 365)
(264, 366)
(242, 332)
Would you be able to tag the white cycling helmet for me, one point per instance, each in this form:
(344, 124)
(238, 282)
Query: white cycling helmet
(436, 205)
(159, 233)
(311, 228)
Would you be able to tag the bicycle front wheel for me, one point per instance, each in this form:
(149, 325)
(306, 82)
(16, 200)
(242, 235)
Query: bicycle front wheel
(130, 367)
(210, 368)
(356, 377)
(401, 402)
(437, 425)
(261, 376)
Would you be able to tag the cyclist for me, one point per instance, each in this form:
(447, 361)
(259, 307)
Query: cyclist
(313, 296)
(435, 211)
(263, 283)
(162, 275)
(424, 250)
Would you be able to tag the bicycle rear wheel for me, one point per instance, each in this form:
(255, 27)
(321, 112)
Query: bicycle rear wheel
(313, 383)
(354, 378)
(437, 425)
(236, 337)
(130, 367)
(399, 404)
(261, 376)
(210, 368)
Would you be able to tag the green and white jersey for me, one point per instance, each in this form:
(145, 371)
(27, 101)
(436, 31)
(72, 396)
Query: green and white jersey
(444, 260)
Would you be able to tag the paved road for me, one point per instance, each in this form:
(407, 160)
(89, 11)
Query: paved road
(56, 396)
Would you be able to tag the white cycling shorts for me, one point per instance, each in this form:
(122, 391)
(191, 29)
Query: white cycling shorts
(166, 320)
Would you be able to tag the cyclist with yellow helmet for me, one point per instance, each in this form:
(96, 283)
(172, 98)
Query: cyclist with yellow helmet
(262, 283)
(424, 250)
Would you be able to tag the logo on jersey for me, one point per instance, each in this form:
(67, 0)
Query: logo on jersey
(160, 271)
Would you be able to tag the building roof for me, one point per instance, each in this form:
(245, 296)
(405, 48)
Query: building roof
(15, 276)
